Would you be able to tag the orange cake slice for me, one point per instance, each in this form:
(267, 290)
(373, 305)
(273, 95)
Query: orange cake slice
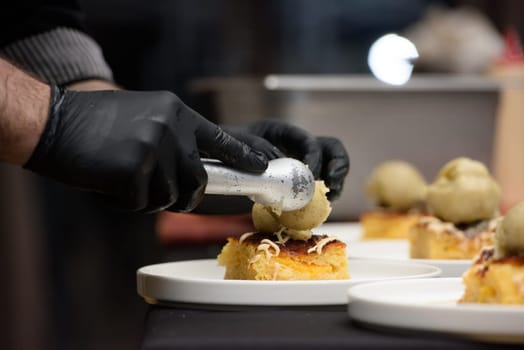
(491, 280)
(431, 238)
(387, 224)
(398, 192)
(463, 201)
(497, 274)
(267, 256)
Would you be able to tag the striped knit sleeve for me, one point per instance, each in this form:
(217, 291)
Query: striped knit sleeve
(59, 56)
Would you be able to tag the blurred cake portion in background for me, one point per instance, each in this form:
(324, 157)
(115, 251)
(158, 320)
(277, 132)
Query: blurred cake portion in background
(463, 203)
(497, 275)
(398, 191)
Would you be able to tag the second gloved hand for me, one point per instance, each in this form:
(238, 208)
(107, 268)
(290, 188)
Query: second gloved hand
(325, 156)
(139, 150)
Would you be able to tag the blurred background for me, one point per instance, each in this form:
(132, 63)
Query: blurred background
(69, 263)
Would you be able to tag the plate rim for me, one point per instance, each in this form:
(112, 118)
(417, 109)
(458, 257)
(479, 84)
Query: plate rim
(150, 284)
(428, 311)
(140, 270)
(422, 261)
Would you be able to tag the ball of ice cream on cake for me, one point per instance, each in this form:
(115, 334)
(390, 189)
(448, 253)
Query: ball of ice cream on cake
(297, 223)
(509, 236)
(464, 192)
(265, 219)
(396, 185)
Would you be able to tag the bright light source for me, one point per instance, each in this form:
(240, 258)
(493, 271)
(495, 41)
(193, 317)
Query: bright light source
(271, 82)
(391, 59)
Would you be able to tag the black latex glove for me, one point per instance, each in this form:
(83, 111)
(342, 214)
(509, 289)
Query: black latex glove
(325, 156)
(139, 150)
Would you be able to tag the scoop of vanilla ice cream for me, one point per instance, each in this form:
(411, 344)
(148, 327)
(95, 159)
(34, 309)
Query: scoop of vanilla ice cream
(396, 185)
(464, 191)
(312, 215)
(509, 235)
(264, 219)
(296, 223)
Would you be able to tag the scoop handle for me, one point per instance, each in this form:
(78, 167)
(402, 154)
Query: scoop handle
(286, 184)
(227, 181)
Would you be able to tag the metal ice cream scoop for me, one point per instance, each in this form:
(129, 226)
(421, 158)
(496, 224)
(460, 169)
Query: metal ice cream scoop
(287, 183)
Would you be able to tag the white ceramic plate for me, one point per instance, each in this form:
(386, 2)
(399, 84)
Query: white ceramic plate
(201, 281)
(431, 305)
(345, 231)
(398, 250)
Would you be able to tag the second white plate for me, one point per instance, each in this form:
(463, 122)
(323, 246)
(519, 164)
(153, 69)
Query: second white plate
(345, 231)
(431, 305)
(202, 282)
(398, 250)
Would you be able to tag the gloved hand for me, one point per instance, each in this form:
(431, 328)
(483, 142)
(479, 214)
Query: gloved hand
(139, 150)
(325, 156)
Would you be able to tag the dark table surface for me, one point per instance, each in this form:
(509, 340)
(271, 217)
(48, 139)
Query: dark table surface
(185, 326)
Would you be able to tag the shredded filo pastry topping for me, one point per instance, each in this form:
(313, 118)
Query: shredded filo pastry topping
(320, 245)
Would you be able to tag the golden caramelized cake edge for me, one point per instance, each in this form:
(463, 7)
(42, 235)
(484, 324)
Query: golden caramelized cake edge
(431, 238)
(494, 281)
(387, 224)
(259, 256)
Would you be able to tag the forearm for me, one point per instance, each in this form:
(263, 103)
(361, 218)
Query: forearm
(24, 104)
